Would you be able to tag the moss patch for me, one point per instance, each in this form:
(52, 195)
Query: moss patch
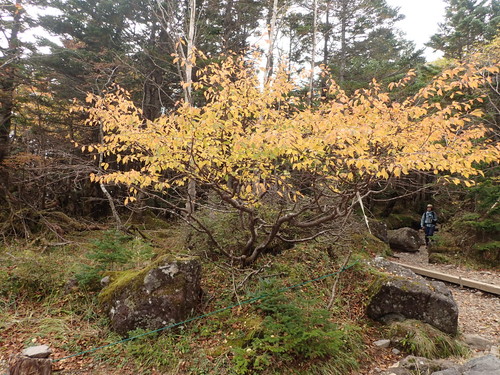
(133, 279)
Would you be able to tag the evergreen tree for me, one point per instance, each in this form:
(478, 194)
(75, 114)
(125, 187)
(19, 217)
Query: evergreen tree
(13, 20)
(467, 24)
(365, 43)
(94, 35)
(384, 55)
(228, 25)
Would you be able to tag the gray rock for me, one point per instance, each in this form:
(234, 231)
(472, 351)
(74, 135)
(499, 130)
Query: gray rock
(21, 365)
(477, 342)
(405, 239)
(382, 343)
(450, 371)
(397, 371)
(487, 365)
(403, 292)
(39, 351)
(70, 286)
(105, 281)
(425, 365)
(379, 230)
(165, 293)
(392, 318)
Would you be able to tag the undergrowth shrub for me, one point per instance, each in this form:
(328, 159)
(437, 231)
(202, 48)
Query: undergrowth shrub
(478, 236)
(489, 251)
(290, 332)
(423, 340)
(226, 230)
(157, 350)
(114, 251)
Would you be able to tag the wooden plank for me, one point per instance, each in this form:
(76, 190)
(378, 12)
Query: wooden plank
(490, 288)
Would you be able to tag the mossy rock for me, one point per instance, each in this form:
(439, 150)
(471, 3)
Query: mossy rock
(165, 292)
(439, 258)
(402, 292)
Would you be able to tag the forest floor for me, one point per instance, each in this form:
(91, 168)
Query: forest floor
(479, 313)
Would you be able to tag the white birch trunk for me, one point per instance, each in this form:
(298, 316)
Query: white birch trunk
(191, 191)
(272, 41)
(313, 51)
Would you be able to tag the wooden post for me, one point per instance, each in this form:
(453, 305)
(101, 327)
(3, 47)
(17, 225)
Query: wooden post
(32, 361)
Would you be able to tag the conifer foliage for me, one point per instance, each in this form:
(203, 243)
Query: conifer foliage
(468, 23)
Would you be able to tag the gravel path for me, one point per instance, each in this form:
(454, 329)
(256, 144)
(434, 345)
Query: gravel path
(479, 313)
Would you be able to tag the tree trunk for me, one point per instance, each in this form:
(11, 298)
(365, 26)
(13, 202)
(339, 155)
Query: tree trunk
(188, 79)
(151, 101)
(8, 83)
(326, 41)
(105, 191)
(313, 51)
(191, 193)
(228, 25)
(272, 37)
(343, 44)
(22, 365)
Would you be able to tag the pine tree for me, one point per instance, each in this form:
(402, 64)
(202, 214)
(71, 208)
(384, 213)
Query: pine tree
(367, 45)
(12, 16)
(228, 25)
(467, 24)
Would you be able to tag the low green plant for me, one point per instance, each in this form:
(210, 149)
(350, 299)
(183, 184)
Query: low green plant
(439, 258)
(114, 251)
(161, 351)
(477, 222)
(291, 332)
(423, 340)
(489, 251)
(225, 227)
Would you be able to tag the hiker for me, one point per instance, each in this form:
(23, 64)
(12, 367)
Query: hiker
(428, 223)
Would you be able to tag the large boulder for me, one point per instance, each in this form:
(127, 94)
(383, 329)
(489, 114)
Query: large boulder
(164, 293)
(487, 365)
(405, 239)
(400, 292)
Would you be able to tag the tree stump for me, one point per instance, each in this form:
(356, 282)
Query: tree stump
(33, 361)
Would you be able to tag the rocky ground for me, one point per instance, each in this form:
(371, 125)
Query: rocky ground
(479, 313)
(479, 316)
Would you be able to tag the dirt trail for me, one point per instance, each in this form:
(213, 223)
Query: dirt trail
(479, 313)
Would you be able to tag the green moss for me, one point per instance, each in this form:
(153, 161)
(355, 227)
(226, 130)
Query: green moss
(133, 279)
(122, 280)
(365, 243)
(379, 278)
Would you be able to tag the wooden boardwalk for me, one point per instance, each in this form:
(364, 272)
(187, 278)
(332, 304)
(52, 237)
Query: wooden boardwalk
(489, 288)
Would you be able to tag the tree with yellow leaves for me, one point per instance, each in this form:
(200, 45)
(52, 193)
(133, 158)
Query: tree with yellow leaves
(289, 171)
